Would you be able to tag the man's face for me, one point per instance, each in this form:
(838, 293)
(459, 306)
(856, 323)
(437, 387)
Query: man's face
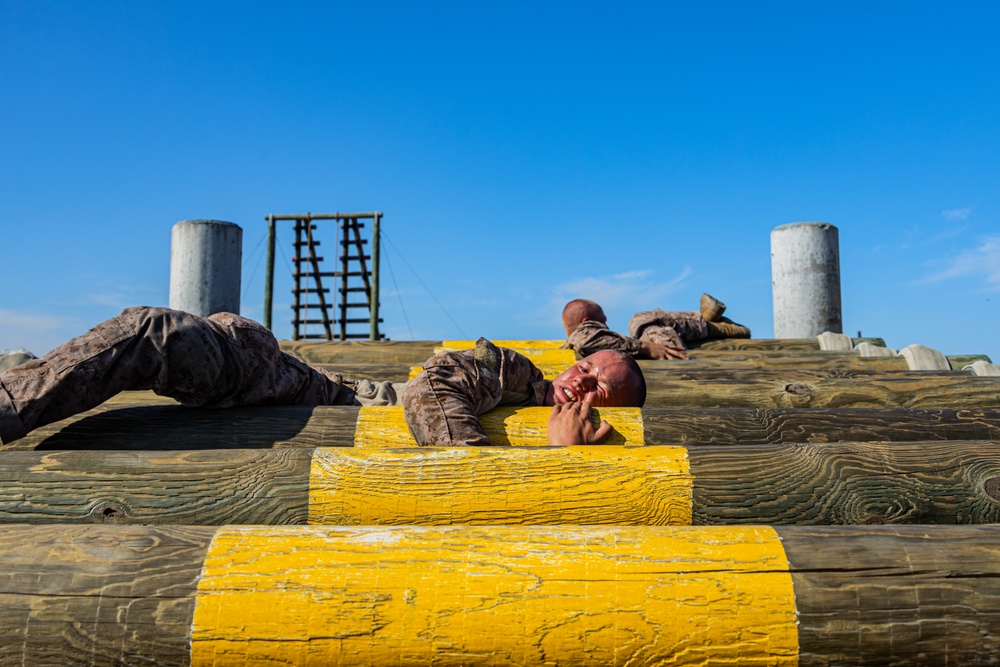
(602, 379)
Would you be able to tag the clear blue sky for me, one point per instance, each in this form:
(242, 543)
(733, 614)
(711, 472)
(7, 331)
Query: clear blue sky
(522, 154)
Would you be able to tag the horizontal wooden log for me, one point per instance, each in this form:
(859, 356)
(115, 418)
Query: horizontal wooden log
(810, 484)
(587, 595)
(748, 344)
(413, 352)
(172, 427)
(775, 389)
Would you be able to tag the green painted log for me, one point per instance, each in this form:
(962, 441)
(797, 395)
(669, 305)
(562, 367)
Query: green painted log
(172, 427)
(954, 482)
(581, 595)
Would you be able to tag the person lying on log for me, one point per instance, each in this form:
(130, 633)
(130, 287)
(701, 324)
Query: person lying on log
(227, 361)
(653, 334)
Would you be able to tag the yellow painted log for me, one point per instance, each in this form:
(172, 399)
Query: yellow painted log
(495, 596)
(385, 427)
(477, 486)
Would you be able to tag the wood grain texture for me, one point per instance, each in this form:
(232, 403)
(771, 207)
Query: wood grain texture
(765, 344)
(201, 487)
(175, 428)
(896, 595)
(172, 427)
(782, 360)
(748, 426)
(847, 483)
(98, 595)
(499, 595)
(477, 486)
(774, 390)
(836, 483)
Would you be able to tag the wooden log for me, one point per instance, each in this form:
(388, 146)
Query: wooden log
(808, 484)
(587, 595)
(162, 427)
(767, 390)
(748, 344)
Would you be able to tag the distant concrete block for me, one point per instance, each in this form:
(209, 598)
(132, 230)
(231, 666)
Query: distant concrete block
(983, 368)
(870, 350)
(11, 358)
(834, 342)
(920, 358)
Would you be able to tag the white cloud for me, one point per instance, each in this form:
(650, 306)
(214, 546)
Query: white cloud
(982, 261)
(957, 213)
(630, 290)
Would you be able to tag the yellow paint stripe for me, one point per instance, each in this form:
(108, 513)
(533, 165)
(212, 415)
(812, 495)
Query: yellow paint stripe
(512, 344)
(498, 595)
(592, 485)
(385, 427)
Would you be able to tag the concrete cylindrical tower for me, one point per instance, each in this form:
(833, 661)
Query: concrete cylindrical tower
(805, 279)
(205, 260)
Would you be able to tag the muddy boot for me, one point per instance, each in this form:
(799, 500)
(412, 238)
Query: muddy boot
(726, 328)
(711, 308)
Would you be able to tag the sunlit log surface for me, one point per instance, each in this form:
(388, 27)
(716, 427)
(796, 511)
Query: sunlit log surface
(581, 595)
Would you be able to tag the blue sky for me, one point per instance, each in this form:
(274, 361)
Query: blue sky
(522, 154)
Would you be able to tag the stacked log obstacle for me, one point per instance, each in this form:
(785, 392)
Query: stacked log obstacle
(525, 573)
(496, 595)
(807, 484)
(172, 427)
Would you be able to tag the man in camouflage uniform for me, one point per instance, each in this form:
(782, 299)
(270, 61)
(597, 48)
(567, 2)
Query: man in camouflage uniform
(653, 334)
(226, 361)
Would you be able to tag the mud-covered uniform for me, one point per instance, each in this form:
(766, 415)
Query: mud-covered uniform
(227, 361)
(665, 327)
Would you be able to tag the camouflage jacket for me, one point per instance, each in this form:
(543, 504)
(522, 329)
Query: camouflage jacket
(592, 336)
(442, 404)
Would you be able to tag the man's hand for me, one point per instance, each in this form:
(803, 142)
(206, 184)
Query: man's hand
(658, 351)
(570, 424)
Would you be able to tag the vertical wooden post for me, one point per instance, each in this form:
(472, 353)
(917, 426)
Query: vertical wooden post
(269, 272)
(373, 298)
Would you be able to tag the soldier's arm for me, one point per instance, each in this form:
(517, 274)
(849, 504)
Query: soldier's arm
(443, 403)
(592, 337)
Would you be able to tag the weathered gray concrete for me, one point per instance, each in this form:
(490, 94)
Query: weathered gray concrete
(805, 279)
(205, 263)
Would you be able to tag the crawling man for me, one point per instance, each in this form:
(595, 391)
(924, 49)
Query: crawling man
(229, 361)
(653, 334)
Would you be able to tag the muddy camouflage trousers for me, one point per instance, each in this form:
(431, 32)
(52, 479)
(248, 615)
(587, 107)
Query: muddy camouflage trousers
(220, 361)
(668, 327)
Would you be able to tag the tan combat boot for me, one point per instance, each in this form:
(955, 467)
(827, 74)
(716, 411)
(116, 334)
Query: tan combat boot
(726, 328)
(711, 308)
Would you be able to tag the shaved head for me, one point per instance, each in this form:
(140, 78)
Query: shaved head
(578, 311)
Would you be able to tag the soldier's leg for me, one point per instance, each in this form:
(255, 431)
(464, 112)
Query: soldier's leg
(689, 325)
(655, 333)
(198, 361)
